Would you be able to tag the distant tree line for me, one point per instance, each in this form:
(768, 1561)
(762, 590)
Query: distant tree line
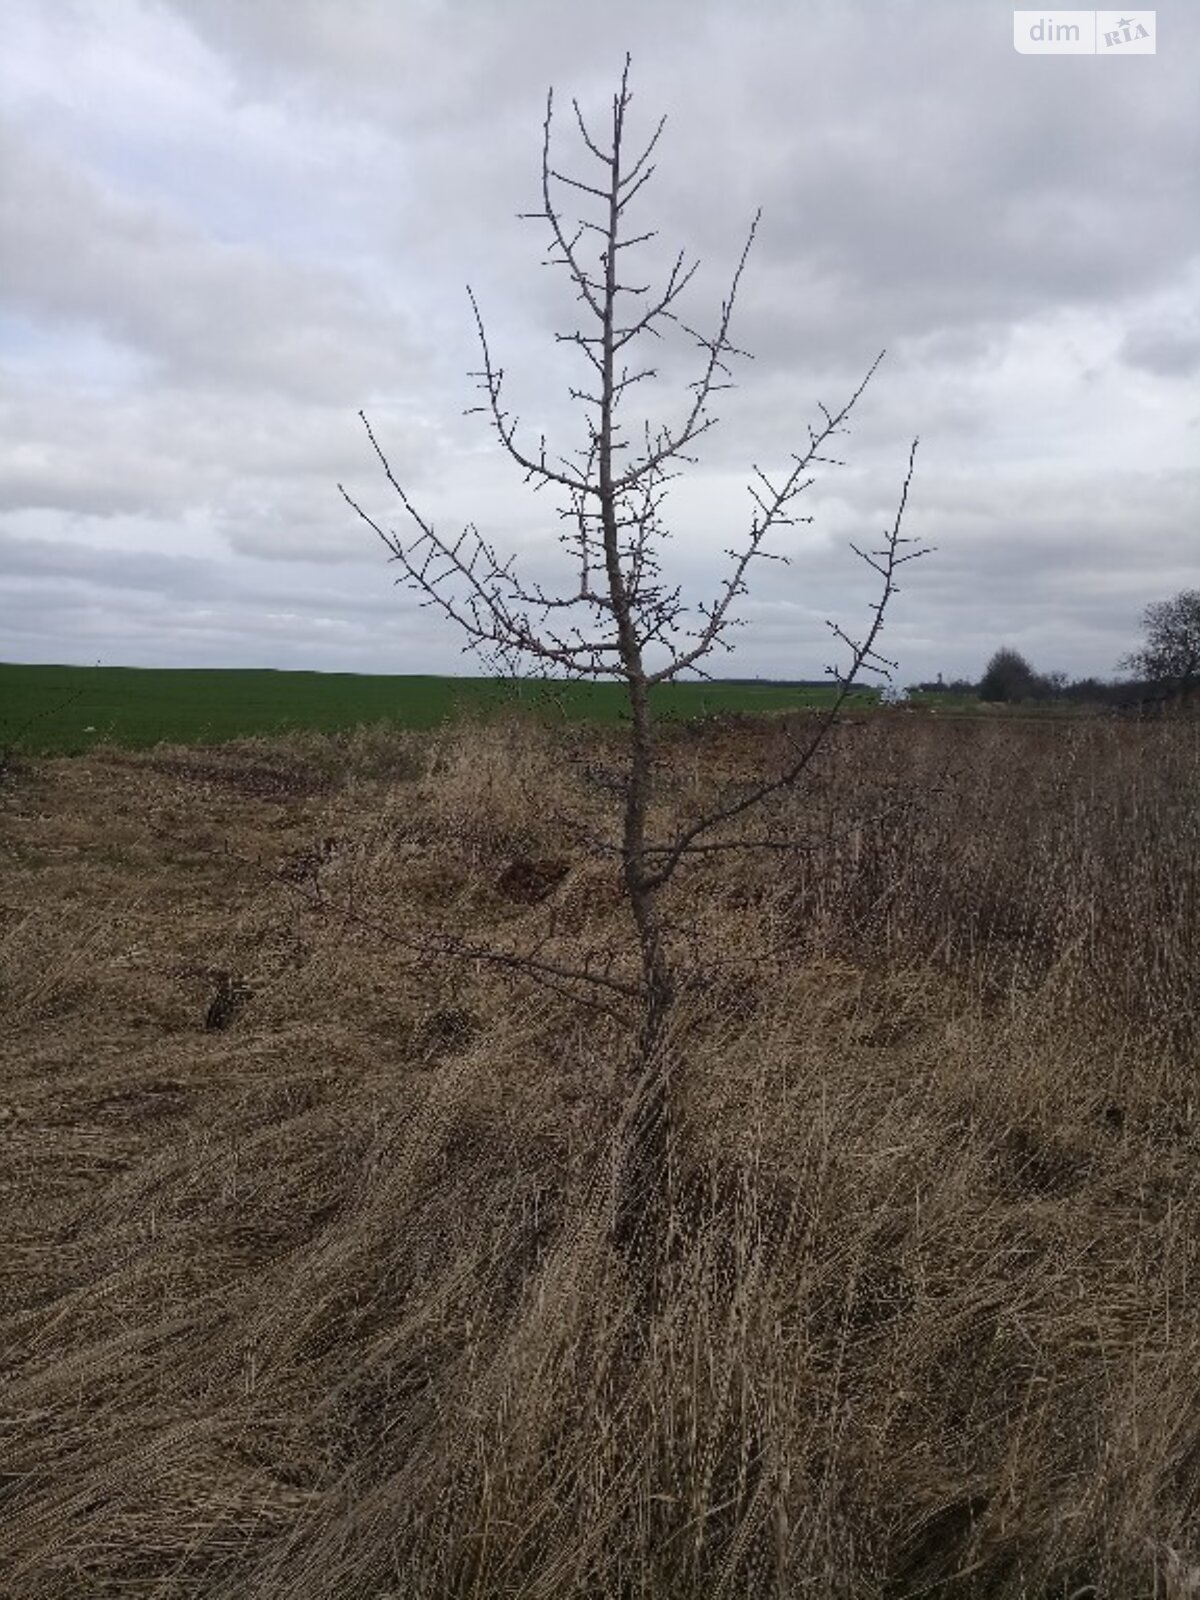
(959, 686)
(780, 683)
(1166, 668)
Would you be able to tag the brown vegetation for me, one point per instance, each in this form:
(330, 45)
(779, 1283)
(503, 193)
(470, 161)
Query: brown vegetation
(319, 1300)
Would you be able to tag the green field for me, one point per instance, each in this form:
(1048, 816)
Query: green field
(48, 710)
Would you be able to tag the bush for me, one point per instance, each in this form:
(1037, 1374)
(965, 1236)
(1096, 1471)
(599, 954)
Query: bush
(1010, 677)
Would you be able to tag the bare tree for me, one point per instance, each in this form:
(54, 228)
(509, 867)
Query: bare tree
(1170, 657)
(621, 618)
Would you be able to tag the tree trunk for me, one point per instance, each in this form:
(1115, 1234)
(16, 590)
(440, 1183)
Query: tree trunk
(641, 1212)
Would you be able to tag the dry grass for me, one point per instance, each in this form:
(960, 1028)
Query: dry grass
(319, 1303)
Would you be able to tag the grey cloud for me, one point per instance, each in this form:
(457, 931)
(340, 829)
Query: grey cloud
(203, 310)
(248, 462)
(73, 563)
(144, 607)
(1166, 352)
(1021, 234)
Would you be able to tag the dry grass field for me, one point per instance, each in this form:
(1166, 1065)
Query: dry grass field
(305, 1287)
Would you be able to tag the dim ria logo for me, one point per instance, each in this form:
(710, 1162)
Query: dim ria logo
(1084, 33)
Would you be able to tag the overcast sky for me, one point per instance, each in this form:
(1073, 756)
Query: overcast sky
(226, 225)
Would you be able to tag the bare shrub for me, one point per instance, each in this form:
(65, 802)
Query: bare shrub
(617, 614)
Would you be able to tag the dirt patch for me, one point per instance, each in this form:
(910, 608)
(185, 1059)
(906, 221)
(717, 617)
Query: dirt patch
(253, 779)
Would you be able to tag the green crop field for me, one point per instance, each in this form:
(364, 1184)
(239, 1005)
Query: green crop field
(51, 710)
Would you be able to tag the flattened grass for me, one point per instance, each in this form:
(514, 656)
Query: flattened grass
(320, 1302)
